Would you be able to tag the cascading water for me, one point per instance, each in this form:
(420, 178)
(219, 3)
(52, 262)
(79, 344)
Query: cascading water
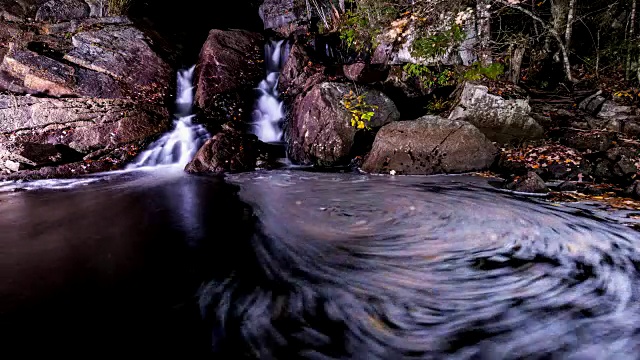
(179, 146)
(268, 112)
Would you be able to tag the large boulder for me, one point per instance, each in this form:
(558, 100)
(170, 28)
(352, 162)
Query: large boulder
(105, 58)
(501, 120)
(430, 145)
(83, 124)
(229, 68)
(123, 53)
(62, 10)
(229, 150)
(320, 130)
(78, 96)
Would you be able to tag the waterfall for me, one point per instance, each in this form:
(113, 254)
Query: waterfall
(268, 112)
(180, 145)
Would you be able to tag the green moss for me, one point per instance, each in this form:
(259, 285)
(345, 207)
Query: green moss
(477, 71)
(428, 77)
(437, 44)
(118, 7)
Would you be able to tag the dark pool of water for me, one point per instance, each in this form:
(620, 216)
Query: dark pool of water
(112, 267)
(312, 265)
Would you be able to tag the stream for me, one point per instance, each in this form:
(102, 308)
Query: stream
(297, 264)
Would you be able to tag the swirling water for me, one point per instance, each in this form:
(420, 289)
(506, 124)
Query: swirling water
(319, 266)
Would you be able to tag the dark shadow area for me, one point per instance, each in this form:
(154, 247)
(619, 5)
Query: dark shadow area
(115, 270)
(186, 24)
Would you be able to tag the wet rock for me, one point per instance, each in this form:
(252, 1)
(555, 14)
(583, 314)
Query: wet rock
(111, 160)
(30, 155)
(430, 145)
(299, 74)
(229, 150)
(284, 16)
(61, 10)
(530, 183)
(320, 131)
(229, 68)
(83, 124)
(365, 73)
(591, 141)
(501, 120)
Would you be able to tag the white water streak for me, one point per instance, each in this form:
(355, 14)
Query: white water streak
(269, 112)
(177, 147)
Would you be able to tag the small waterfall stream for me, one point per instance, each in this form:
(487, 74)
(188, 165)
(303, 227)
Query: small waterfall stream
(268, 112)
(179, 146)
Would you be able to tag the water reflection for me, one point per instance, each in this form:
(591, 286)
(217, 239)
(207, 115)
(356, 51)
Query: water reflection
(109, 267)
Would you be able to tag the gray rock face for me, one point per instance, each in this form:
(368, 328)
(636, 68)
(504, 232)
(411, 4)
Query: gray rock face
(429, 145)
(593, 103)
(283, 16)
(62, 10)
(610, 109)
(320, 131)
(501, 120)
(84, 125)
(615, 117)
(229, 68)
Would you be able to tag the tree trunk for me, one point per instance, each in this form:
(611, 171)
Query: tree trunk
(551, 29)
(632, 25)
(559, 12)
(484, 31)
(570, 19)
(516, 63)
